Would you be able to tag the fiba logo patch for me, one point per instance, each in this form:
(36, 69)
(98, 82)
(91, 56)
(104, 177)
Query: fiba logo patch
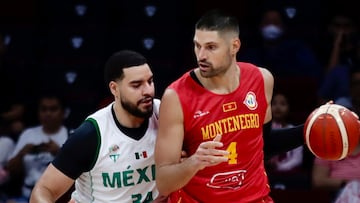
(250, 101)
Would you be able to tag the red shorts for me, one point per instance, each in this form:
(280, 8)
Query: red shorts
(182, 197)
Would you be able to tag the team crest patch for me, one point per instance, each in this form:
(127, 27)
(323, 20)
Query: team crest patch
(250, 101)
(113, 152)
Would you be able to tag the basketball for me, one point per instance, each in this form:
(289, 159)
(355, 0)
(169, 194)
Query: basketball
(331, 132)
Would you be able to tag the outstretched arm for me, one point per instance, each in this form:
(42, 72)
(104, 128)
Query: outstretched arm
(277, 141)
(51, 186)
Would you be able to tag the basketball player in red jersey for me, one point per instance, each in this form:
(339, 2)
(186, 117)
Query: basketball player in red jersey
(220, 114)
(215, 113)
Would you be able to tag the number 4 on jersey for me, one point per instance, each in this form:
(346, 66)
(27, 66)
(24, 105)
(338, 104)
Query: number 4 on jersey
(232, 153)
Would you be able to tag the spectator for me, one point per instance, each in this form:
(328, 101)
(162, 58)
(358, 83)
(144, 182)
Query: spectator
(333, 175)
(354, 99)
(38, 145)
(338, 43)
(277, 50)
(350, 193)
(13, 109)
(6, 147)
(338, 58)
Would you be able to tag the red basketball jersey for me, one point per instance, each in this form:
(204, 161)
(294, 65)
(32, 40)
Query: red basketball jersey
(239, 117)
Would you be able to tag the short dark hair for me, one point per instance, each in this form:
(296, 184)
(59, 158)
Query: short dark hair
(218, 20)
(120, 60)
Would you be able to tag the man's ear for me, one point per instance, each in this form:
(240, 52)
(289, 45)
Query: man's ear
(236, 44)
(113, 86)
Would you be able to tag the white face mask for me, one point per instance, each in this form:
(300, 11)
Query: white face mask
(271, 32)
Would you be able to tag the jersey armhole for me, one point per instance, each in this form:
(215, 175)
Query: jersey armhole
(93, 121)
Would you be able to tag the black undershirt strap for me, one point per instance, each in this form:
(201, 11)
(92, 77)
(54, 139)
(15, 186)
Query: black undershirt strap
(196, 79)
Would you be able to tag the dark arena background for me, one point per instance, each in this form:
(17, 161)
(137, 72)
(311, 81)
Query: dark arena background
(63, 44)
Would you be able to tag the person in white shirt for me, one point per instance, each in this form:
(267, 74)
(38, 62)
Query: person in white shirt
(38, 145)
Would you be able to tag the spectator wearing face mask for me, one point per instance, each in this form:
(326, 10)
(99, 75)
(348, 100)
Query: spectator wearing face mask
(339, 55)
(337, 45)
(284, 56)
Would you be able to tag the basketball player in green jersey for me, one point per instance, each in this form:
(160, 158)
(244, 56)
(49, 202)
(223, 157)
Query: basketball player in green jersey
(110, 156)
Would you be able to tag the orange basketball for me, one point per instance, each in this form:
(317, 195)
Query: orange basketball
(331, 132)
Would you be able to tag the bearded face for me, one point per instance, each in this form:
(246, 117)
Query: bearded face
(142, 108)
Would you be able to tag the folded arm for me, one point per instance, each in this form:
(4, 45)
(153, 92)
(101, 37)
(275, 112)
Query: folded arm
(172, 172)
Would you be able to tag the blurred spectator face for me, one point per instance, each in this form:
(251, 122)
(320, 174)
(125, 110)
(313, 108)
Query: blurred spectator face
(341, 24)
(51, 114)
(271, 25)
(343, 28)
(279, 107)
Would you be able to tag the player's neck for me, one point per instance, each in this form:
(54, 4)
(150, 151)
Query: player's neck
(224, 83)
(126, 119)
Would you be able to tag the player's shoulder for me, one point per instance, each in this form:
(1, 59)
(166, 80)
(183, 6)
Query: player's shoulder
(101, 113)
(170, 100)
(267, 75)
(171, 97)
(169, 92)
(86, 128)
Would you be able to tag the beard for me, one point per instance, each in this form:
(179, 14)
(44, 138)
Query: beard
(215, 71)
(212, 72)
(135, 110)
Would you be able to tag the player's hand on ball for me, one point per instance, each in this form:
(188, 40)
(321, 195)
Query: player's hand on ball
(357, 116)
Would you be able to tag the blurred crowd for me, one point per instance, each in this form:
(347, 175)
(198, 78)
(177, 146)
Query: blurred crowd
(43, 100)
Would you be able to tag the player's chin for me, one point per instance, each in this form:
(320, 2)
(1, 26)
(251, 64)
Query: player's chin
(146, 113)
(147, 105)
(146, 108)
